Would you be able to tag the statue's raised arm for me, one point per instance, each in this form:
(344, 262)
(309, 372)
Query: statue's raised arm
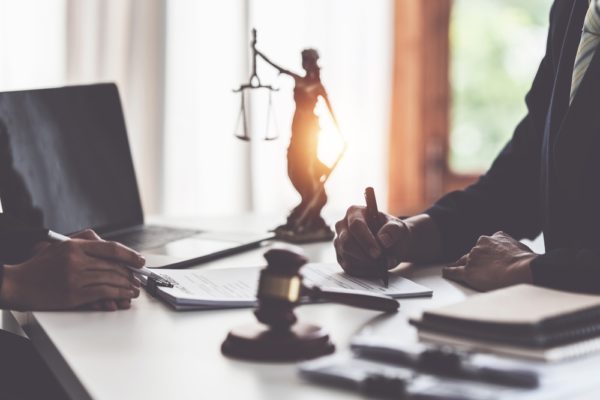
(308, 174)
(277, 67)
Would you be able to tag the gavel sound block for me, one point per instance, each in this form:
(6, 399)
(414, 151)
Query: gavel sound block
(278, 336)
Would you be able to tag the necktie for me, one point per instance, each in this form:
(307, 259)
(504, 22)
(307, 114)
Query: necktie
(590, 39)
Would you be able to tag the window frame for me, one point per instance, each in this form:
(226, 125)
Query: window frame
(419, 167)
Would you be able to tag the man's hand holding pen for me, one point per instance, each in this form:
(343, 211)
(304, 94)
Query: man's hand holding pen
(358, 250)
(495, 261)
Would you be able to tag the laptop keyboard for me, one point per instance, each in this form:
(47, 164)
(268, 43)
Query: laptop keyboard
(151, 236)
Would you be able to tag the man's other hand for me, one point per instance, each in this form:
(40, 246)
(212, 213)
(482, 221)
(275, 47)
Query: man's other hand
(496, 261)
(83, 272)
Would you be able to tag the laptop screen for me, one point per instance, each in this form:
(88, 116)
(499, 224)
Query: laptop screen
(65, 162)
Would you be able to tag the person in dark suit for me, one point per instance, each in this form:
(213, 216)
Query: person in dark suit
(546, 179)
(35, 274)
(38, 275)
(84, 273)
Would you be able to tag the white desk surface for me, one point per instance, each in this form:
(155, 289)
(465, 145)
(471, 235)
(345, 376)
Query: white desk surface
(154, 352)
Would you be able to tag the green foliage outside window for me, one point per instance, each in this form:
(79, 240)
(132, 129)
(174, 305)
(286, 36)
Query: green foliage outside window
(496, 47)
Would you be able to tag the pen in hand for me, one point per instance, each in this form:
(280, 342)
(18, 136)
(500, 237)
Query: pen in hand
(159, 280)
(375, 223)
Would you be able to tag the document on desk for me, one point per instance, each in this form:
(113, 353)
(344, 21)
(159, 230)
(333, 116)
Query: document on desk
(236, 287)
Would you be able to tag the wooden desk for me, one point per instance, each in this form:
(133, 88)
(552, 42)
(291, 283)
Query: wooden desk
(153, 352)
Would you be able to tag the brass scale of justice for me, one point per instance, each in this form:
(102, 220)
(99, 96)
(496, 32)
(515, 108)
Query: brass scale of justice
(307, 173)
(277, 335)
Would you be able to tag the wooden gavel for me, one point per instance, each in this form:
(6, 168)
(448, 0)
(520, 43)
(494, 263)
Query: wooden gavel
(281, 289)
(279, 337)
(281, 286)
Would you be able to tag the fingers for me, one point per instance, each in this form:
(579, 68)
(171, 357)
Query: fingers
(395, 236)
(504, 236)
(357, 248)
(390, 233)
(95, 293)
(461, 261)
(345, 244)
(113, 251)
(123, 304)
(93, 277)
(454, 273)
(87, 234)
(97, 306)
(108, 305)
(457, 270)
(358, 228)
(107, 266)
(350, 254)
(349, 247)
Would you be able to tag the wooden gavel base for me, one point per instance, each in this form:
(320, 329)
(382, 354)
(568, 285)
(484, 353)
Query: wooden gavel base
(258, 343)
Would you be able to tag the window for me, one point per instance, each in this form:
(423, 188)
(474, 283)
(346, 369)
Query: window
(496, 47)
(461, 72)
(207, 169)
(32, 44)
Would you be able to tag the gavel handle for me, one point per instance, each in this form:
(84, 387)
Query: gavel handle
(371, 301)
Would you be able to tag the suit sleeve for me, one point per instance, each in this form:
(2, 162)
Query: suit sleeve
(568, 269)
(17, 239)
(507, 196)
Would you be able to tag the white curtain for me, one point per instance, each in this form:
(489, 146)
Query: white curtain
(208, 171)
(45, 43)
(123, 41)
(32, 46)
(176, 63)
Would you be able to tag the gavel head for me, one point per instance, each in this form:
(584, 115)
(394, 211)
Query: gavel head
(278, 337)
(280, 287)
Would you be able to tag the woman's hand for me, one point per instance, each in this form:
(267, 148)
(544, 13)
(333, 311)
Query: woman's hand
(496, 261)
(73, 274)
(105, 305)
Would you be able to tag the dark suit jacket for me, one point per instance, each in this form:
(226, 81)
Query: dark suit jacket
(17, 239)
(547, 178)
(21, 223)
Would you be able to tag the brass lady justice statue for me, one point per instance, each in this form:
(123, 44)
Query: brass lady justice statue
(307, 173)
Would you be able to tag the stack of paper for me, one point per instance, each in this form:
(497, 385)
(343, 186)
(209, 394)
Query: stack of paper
(236, 287)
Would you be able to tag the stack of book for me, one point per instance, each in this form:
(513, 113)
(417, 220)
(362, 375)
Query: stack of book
(523, 320)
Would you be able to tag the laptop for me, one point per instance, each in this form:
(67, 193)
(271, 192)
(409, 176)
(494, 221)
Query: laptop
(66, 165)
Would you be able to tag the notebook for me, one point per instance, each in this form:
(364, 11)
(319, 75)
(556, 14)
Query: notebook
(525, 319)
(522, 314)
(549, 354)
(237, 287)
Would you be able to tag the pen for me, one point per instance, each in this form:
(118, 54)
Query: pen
(367, 300)
(447, 362)
(159, 280)
(374, 223)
